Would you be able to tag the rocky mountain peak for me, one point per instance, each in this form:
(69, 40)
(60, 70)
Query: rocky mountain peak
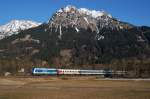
(84, 18)
(68, 8)
(14, 26)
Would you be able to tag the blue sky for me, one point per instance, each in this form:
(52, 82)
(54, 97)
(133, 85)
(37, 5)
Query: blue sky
(134, 11)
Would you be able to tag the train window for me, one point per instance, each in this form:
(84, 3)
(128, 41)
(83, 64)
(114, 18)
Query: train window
(38, 70)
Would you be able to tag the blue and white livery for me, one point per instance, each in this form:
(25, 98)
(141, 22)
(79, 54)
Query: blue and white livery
(44, 71)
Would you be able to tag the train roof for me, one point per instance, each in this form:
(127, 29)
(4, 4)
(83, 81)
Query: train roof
(45, 68)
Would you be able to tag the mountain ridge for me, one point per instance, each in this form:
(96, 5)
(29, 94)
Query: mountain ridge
(14, 26)
(85, 18)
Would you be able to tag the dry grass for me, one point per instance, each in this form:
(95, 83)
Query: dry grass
(45, 88)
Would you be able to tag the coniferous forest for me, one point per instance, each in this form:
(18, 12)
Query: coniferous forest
(41, 47)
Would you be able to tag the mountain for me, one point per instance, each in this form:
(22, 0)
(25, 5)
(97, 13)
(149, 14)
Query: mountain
(15, 26)
(74, 37)
(83, 18)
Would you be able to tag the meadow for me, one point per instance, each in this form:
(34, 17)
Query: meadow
(74, 88)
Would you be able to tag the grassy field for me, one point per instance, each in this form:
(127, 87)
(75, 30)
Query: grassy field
(86, 88)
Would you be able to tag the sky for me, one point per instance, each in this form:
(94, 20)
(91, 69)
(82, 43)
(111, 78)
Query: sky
(136, 12)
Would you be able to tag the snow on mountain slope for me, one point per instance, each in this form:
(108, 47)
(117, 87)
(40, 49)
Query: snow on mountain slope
(92, 13)
(15, 26)
(84, 18)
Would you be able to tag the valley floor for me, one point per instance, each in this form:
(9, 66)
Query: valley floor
(82, 88)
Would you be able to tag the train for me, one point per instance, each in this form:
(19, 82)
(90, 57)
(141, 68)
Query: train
(54, 71)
